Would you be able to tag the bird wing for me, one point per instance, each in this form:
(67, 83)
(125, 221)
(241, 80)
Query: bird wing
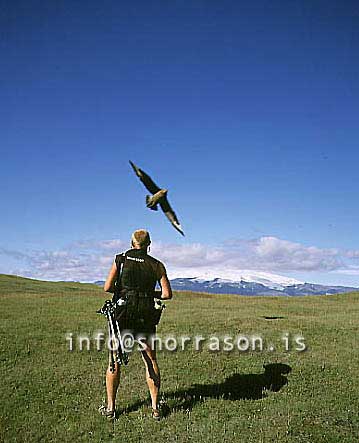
(170, 214)
(145, 179)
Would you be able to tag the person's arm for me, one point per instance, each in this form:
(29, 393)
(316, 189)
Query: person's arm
(166, 288)
(109, 285)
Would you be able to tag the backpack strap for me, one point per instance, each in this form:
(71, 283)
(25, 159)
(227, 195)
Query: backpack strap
(119, 260)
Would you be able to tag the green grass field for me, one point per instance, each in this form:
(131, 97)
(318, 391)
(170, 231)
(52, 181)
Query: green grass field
(51, 394)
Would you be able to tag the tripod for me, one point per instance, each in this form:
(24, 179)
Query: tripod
(117, 352)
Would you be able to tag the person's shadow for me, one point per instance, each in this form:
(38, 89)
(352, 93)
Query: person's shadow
(235, 387)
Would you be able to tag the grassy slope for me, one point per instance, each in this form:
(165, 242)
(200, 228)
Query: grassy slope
(51, 394)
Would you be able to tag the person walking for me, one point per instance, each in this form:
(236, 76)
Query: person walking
(133, 278)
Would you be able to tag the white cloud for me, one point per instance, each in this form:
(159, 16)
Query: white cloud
(91, 260)
(264, 253)
(351, 270)
(352, 254)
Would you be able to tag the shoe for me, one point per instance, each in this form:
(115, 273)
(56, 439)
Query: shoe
(110, 415)
(156, 415)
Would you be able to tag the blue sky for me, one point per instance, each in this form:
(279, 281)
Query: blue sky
(247, 113)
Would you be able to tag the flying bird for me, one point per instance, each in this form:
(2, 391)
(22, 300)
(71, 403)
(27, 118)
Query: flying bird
(158, 197)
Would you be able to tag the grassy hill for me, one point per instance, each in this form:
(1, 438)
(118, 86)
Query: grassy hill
(51, 394)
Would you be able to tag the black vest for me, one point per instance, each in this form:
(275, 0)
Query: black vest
(136, 282)
(139, 271)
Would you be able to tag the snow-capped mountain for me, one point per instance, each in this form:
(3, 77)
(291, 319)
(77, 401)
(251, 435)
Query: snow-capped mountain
(234, 276)
(244, 287)
(248, 282)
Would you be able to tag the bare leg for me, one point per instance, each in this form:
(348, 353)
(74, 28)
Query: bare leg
(152, 374)
(112, 382)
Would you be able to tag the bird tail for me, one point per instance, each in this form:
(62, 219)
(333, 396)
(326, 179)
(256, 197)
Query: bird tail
(149, 203)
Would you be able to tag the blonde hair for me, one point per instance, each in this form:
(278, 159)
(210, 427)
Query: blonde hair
(140, 238)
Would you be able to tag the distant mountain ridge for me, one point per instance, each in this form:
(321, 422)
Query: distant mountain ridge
(253, 283)
(243, 287)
